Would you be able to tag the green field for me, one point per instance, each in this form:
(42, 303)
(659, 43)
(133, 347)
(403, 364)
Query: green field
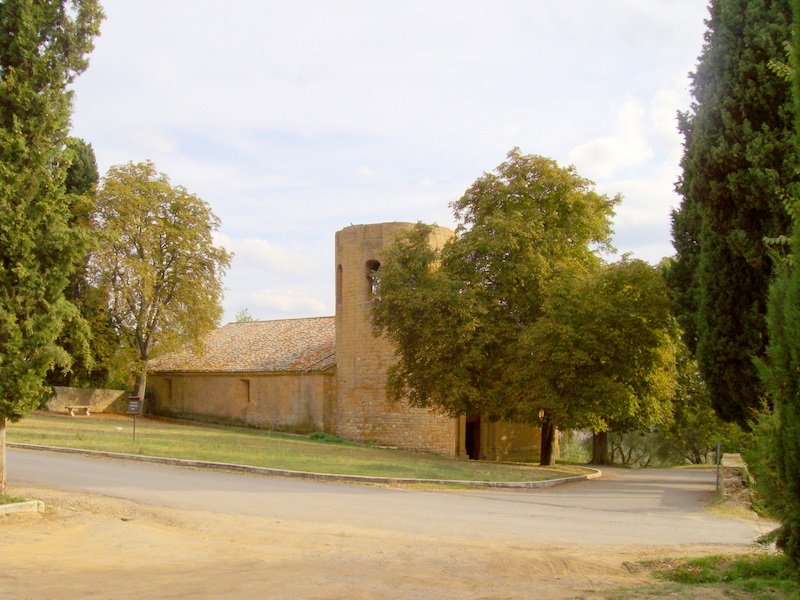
(6, 499)
(756, 576)
(238, 445)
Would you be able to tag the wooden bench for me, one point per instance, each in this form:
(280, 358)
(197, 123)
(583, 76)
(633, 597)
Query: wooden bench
(84, 408)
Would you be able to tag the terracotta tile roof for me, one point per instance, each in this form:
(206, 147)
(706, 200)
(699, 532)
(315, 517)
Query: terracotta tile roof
(287, 345)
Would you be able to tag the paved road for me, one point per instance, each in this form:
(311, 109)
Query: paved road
(645, 507)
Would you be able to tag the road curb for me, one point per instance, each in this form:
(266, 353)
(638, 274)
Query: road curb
(270, 472)
(20, 507)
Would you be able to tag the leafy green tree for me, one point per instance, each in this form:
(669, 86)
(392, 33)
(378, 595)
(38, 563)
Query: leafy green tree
(634, 448)
(456, 315)
(82, 175)
(43, 47)
(771, 455)
(759, 452)
(776, 460)
(88, 337)
(695, 429)
(158, 261)
(98, 366)
(738, 159)
(680, 272)
(602, 355)
(434, 326)
(243, 316)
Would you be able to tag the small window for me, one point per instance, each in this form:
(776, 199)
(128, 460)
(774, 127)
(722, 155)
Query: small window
(372, 276)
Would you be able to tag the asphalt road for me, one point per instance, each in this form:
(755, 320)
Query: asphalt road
(646, 507)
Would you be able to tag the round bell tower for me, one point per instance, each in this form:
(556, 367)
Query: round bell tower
(363, 412)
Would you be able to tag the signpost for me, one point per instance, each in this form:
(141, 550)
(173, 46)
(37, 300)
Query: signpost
(134, 407)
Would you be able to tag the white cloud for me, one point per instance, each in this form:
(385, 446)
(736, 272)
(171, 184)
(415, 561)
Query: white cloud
(645, 199)
(151, 142)
(643, 223)
(640, 161)
(663, 114)
(262, 255)
(295, 119)
(411, 70)
(626, 147)
(290, 302)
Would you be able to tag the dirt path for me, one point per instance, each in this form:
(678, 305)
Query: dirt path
(90, 546)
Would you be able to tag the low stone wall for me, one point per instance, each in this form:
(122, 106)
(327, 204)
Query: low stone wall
(100, 400)
(735, 480)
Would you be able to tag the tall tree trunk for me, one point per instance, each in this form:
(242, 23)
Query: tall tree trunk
(546, 456)
(2, 455)
(141, 387)
(600, 448)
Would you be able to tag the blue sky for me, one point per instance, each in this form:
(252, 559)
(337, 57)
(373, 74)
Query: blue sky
(295, 119)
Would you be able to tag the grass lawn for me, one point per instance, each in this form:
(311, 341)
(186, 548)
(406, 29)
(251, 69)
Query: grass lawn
(244, 446)
(759, 576)
(6, 499)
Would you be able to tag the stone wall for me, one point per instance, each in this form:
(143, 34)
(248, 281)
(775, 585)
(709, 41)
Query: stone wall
(350, 400)
(296, 401)
(100, 400)
(734, 480)
(363, 411)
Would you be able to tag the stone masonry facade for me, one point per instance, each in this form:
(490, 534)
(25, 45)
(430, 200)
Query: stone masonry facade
(363, 411)
(326, 373)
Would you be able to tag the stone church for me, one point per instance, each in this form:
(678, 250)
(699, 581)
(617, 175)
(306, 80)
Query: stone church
(325, 373)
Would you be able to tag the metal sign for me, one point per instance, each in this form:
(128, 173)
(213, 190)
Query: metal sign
(134, 405)
(134, 408)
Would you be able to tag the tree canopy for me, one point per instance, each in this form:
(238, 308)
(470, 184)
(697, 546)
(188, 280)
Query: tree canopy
(602, 355)
(776, 461)
(738, 162)
(43, 47)
(157, 260)
(779, 371)
(243, 315)
(456, 315)
(695, 429)
(86, 336)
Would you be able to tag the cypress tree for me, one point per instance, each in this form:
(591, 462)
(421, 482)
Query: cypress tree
(778, 464)
(82, 175)
(88, 337)
(43, 47)
(738, 158)
(777, 457)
